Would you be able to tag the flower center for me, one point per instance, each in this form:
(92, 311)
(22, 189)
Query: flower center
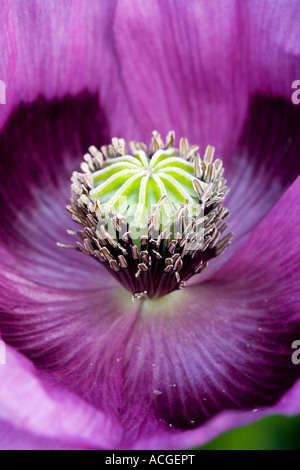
(154, 218)
(133, 185)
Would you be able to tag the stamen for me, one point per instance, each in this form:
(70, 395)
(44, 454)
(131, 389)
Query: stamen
(154, 217)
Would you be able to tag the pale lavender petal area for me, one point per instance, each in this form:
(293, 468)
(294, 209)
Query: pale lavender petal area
(289, 402)
(35, 413)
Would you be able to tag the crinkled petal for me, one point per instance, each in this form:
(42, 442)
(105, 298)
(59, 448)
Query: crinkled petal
(35, 413)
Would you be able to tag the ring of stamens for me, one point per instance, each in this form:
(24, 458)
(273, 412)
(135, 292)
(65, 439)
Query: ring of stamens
(166, 255)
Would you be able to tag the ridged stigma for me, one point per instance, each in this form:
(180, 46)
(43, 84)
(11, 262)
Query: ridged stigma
(132, 185)
(154, 217)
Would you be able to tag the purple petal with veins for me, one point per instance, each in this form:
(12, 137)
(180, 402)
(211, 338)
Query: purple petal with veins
(87, 368)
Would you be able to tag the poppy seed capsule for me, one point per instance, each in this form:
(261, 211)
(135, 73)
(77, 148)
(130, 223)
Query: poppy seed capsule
(153, 218)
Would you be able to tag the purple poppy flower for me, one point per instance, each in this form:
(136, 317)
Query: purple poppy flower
(86, 367)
